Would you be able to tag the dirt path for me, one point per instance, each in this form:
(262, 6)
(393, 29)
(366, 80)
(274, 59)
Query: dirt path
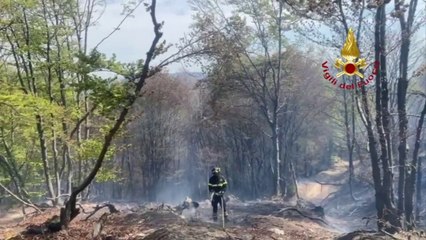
(319, 187)
(315, 192)
(10, 217)
(329, 189)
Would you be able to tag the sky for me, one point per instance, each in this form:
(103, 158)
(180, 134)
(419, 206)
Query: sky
(134, 38)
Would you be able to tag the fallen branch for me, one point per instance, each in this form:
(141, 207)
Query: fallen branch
(20, 199)
(390, 235)
(81, 207)
(165, 207)
(111, 208)
(302, 214)
(357, 234)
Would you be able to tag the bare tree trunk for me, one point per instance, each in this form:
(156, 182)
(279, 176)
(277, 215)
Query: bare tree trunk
(411, 174)
(275, 130)
(384, 102)
(406, 26)
(387, 216)
(349, 140)
(293, 177)
(402, 148)
(276, 157)
(56, 168)
(419, 187)
(374, 160)
(382, 114)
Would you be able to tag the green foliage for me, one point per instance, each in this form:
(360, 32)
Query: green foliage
(106, 174)
(90, 148)
(5, 179)
(27, 105)
(48, 83)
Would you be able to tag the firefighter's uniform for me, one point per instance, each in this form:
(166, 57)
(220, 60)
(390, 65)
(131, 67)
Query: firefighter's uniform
(217, 186)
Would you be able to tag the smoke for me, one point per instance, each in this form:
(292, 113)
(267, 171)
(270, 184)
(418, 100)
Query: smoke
(173, 193)
(189, 213)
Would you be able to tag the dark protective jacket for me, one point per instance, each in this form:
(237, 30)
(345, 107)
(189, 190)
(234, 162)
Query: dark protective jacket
(217, 184)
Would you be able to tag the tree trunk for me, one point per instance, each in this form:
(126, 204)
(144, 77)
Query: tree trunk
(293, 177)
(402, 147)
(374, 158)
(406, 26)
(15, 177)
(389, 220)
(385, 214)
(411, 174)
(382, 114)
(349, 141)
(419, 187)
(276, 157)
(56, 169)
(43, 149)
(275, 127)
(70, 211)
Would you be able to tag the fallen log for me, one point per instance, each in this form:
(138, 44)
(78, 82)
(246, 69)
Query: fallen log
(358, 234)
(51, 225)
(111, 208)
(54, 224)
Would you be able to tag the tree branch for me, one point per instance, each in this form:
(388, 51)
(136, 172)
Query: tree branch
(119, 25)
(20, 199)
(80, 121)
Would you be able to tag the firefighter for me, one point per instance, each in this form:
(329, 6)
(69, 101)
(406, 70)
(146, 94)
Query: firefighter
(217, 186)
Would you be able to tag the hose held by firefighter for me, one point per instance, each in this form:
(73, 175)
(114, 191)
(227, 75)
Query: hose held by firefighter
(217, 188)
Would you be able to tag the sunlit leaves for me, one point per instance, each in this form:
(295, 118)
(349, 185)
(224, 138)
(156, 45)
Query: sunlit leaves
(26, 106)
(49, 83)
(106, 174)
(89, 149)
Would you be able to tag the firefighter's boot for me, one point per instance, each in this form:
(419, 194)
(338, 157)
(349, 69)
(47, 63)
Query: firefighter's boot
(215, 217)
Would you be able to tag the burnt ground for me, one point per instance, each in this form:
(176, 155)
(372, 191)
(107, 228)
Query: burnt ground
(253, 220)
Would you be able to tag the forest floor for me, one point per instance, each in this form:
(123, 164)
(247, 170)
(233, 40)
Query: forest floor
(251, 220)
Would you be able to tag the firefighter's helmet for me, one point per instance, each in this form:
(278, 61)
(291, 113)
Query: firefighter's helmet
(215, 170)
